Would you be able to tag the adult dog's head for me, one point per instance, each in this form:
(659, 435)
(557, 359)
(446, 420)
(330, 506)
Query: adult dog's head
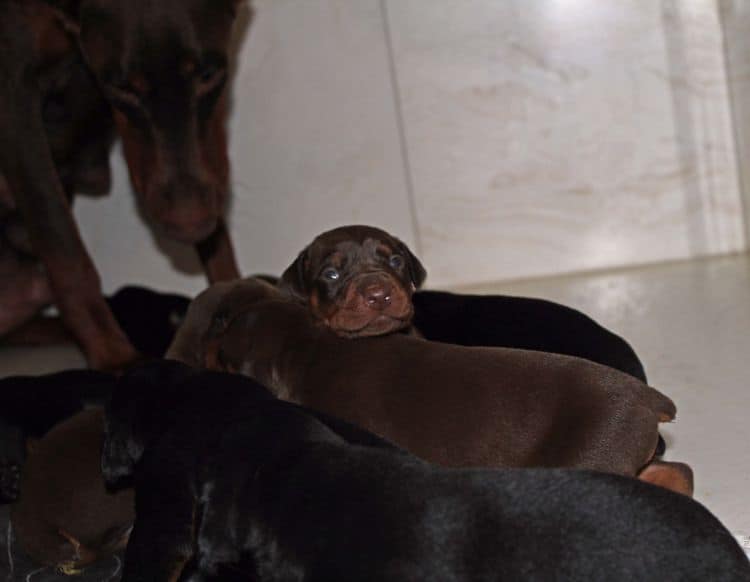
(358, 280)
(163, 68)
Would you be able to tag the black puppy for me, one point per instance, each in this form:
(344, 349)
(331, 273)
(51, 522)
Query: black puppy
(149, 319)
(239, 485)
(31, 405)
(521, 322)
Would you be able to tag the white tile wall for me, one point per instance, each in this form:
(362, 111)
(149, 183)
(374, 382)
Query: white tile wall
(314, 144)
(562, 135)
(541, 136)
(735, 16)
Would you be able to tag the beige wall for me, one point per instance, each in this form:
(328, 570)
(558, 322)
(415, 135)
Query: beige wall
(502, 139)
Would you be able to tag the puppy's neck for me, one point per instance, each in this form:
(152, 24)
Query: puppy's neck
(281, 348)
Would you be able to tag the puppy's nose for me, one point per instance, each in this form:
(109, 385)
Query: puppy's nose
(377, 296)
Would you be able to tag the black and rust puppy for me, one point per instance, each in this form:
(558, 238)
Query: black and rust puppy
(30, 406)
(453, 405)
(241, 486)
(362, 281)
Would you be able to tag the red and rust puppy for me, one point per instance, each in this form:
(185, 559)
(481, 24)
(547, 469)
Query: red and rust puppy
(453, 405)
(359, 280)
(66, 517)
(162, 69)
(362, 281)
(32, 405)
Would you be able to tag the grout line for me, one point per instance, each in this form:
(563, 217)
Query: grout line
(734, 118)
(401, 127)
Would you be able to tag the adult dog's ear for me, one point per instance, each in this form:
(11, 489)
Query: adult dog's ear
(293, 281)
(69, 13)
(417, 272)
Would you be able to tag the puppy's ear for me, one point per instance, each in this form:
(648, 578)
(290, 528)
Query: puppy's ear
(293, 280)
(122, 449)
(417, 272)
(134, 414)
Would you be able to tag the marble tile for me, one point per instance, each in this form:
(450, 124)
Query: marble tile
(561, 135)
(688, 322)
(314, 144)
(314, 135)
(735, 18)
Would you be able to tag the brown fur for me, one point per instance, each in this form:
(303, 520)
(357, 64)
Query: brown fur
(65, 516)
(369, 295)
(65, 67)
(452, 405)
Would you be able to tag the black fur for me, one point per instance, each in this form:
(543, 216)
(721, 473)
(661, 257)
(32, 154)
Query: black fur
(232, 484)
(524, 323)
(31, 405)
(149, 318)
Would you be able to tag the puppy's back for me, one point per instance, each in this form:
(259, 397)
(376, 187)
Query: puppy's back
(462, 406)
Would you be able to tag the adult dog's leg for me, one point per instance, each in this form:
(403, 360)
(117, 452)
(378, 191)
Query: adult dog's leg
(26, 162)
(23, 283)
(217, 256)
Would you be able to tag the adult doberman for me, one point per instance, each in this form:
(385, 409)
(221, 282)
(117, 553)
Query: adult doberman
(70, 71)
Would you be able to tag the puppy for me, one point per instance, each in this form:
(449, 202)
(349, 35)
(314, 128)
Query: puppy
(362, 281)
(31, 406)
(452, 405)
(65, 516)
(149, 319)
(357, 279)
(243, 486)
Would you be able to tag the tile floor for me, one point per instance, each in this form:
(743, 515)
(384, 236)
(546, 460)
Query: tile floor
(690, 324)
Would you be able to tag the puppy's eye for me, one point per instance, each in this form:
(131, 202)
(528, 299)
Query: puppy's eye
(331, 274)
(396, 261)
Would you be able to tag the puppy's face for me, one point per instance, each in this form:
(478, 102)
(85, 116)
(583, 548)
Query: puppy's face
(163, 68)
(358, 280)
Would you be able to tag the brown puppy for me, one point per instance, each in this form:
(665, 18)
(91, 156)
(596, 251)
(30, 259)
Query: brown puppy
(334, 276)
(452, 405)
(357, 279)
(66, 517)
